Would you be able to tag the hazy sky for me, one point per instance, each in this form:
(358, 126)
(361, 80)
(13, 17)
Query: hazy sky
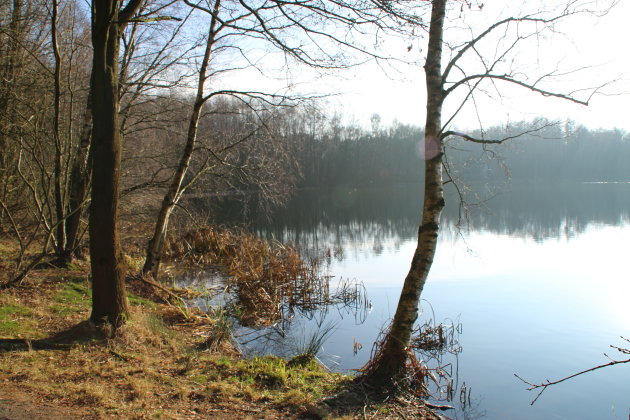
(584, 41)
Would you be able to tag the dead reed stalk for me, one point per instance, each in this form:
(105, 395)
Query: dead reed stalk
(269, 279)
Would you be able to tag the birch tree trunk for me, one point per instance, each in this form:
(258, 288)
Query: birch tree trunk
(390, 362)
(175, 191)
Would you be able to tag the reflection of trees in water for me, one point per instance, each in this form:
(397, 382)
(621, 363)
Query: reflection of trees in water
(347, 218)
(379, 219)
(553, 211)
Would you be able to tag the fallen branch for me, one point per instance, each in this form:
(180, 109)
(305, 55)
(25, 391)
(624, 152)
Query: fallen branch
(439, 407)
(158, 286)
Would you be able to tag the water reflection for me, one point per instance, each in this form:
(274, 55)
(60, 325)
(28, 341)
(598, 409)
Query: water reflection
(539, 279)
(381, 219)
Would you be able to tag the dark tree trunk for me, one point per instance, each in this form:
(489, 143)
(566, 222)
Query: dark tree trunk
(78, 186)
(8, 73)
(109, 300)
(390, 363)
(60, 214)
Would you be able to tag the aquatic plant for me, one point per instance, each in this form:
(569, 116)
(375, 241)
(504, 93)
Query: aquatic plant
(269, 280)
(310, 345)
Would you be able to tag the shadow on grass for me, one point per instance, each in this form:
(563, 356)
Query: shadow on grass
(358, 400)
(84, 332)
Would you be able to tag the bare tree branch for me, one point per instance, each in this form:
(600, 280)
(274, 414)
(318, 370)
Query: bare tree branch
(498, 141)
(532, 87)
(543, 386)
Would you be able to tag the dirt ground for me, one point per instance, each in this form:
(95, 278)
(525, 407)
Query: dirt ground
(15, 404)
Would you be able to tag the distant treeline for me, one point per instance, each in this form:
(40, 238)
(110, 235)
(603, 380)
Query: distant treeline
(357, 157)
(559, 152)
(350, 217)
(304, 148)
(383, 156)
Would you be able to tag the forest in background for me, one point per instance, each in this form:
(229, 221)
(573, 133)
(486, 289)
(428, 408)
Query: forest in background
(254, 147)
(562, 151)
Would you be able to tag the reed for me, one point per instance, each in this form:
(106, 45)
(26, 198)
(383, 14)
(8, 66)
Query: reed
(269, 280)
(309, 346)
(427, 374)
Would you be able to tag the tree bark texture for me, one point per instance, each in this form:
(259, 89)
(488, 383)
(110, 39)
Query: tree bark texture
(79, 184)
(175, 191)
(390, 364)
(109, 301)
(60, 237)
(10, 64)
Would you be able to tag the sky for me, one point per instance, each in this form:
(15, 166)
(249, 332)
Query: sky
(597, 45)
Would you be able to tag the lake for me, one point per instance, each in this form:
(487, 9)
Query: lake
(538, 281)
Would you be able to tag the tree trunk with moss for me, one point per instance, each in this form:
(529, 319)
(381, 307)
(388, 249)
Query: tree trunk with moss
(390, 363)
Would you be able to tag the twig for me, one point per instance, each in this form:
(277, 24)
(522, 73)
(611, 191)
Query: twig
(544, 386)
(120, 356)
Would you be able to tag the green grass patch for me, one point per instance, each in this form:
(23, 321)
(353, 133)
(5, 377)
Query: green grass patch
(13, 310)
(267, 378)
(140, 301)
(15, 320)
(72, 298)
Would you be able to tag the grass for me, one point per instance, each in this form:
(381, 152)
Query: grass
(14, 320)
(267, 379)
(308, 348)
(158, 364)
(71, 298)
(220, 331)
(161, 364)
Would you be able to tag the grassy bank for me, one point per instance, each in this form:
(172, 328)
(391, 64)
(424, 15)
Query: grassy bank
(162, 364)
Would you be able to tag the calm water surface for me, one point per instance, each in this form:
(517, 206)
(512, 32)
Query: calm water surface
(540, 283)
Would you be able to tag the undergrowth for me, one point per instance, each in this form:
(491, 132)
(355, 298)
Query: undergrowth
(164, 363)
(269, 279)
(156, 365)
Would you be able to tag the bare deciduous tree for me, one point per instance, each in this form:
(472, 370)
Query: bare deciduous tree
(314, 34)
(389, 362)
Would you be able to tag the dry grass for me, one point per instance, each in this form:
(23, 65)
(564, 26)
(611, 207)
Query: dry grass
(269, 279)
(157, 366)
(154, 370)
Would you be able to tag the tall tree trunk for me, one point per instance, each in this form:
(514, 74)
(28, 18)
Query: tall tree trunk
(154, 249)
(78, 186)
(175, 191)
(60, 236)
(8, 74)
(389, 366)
(109, 300)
